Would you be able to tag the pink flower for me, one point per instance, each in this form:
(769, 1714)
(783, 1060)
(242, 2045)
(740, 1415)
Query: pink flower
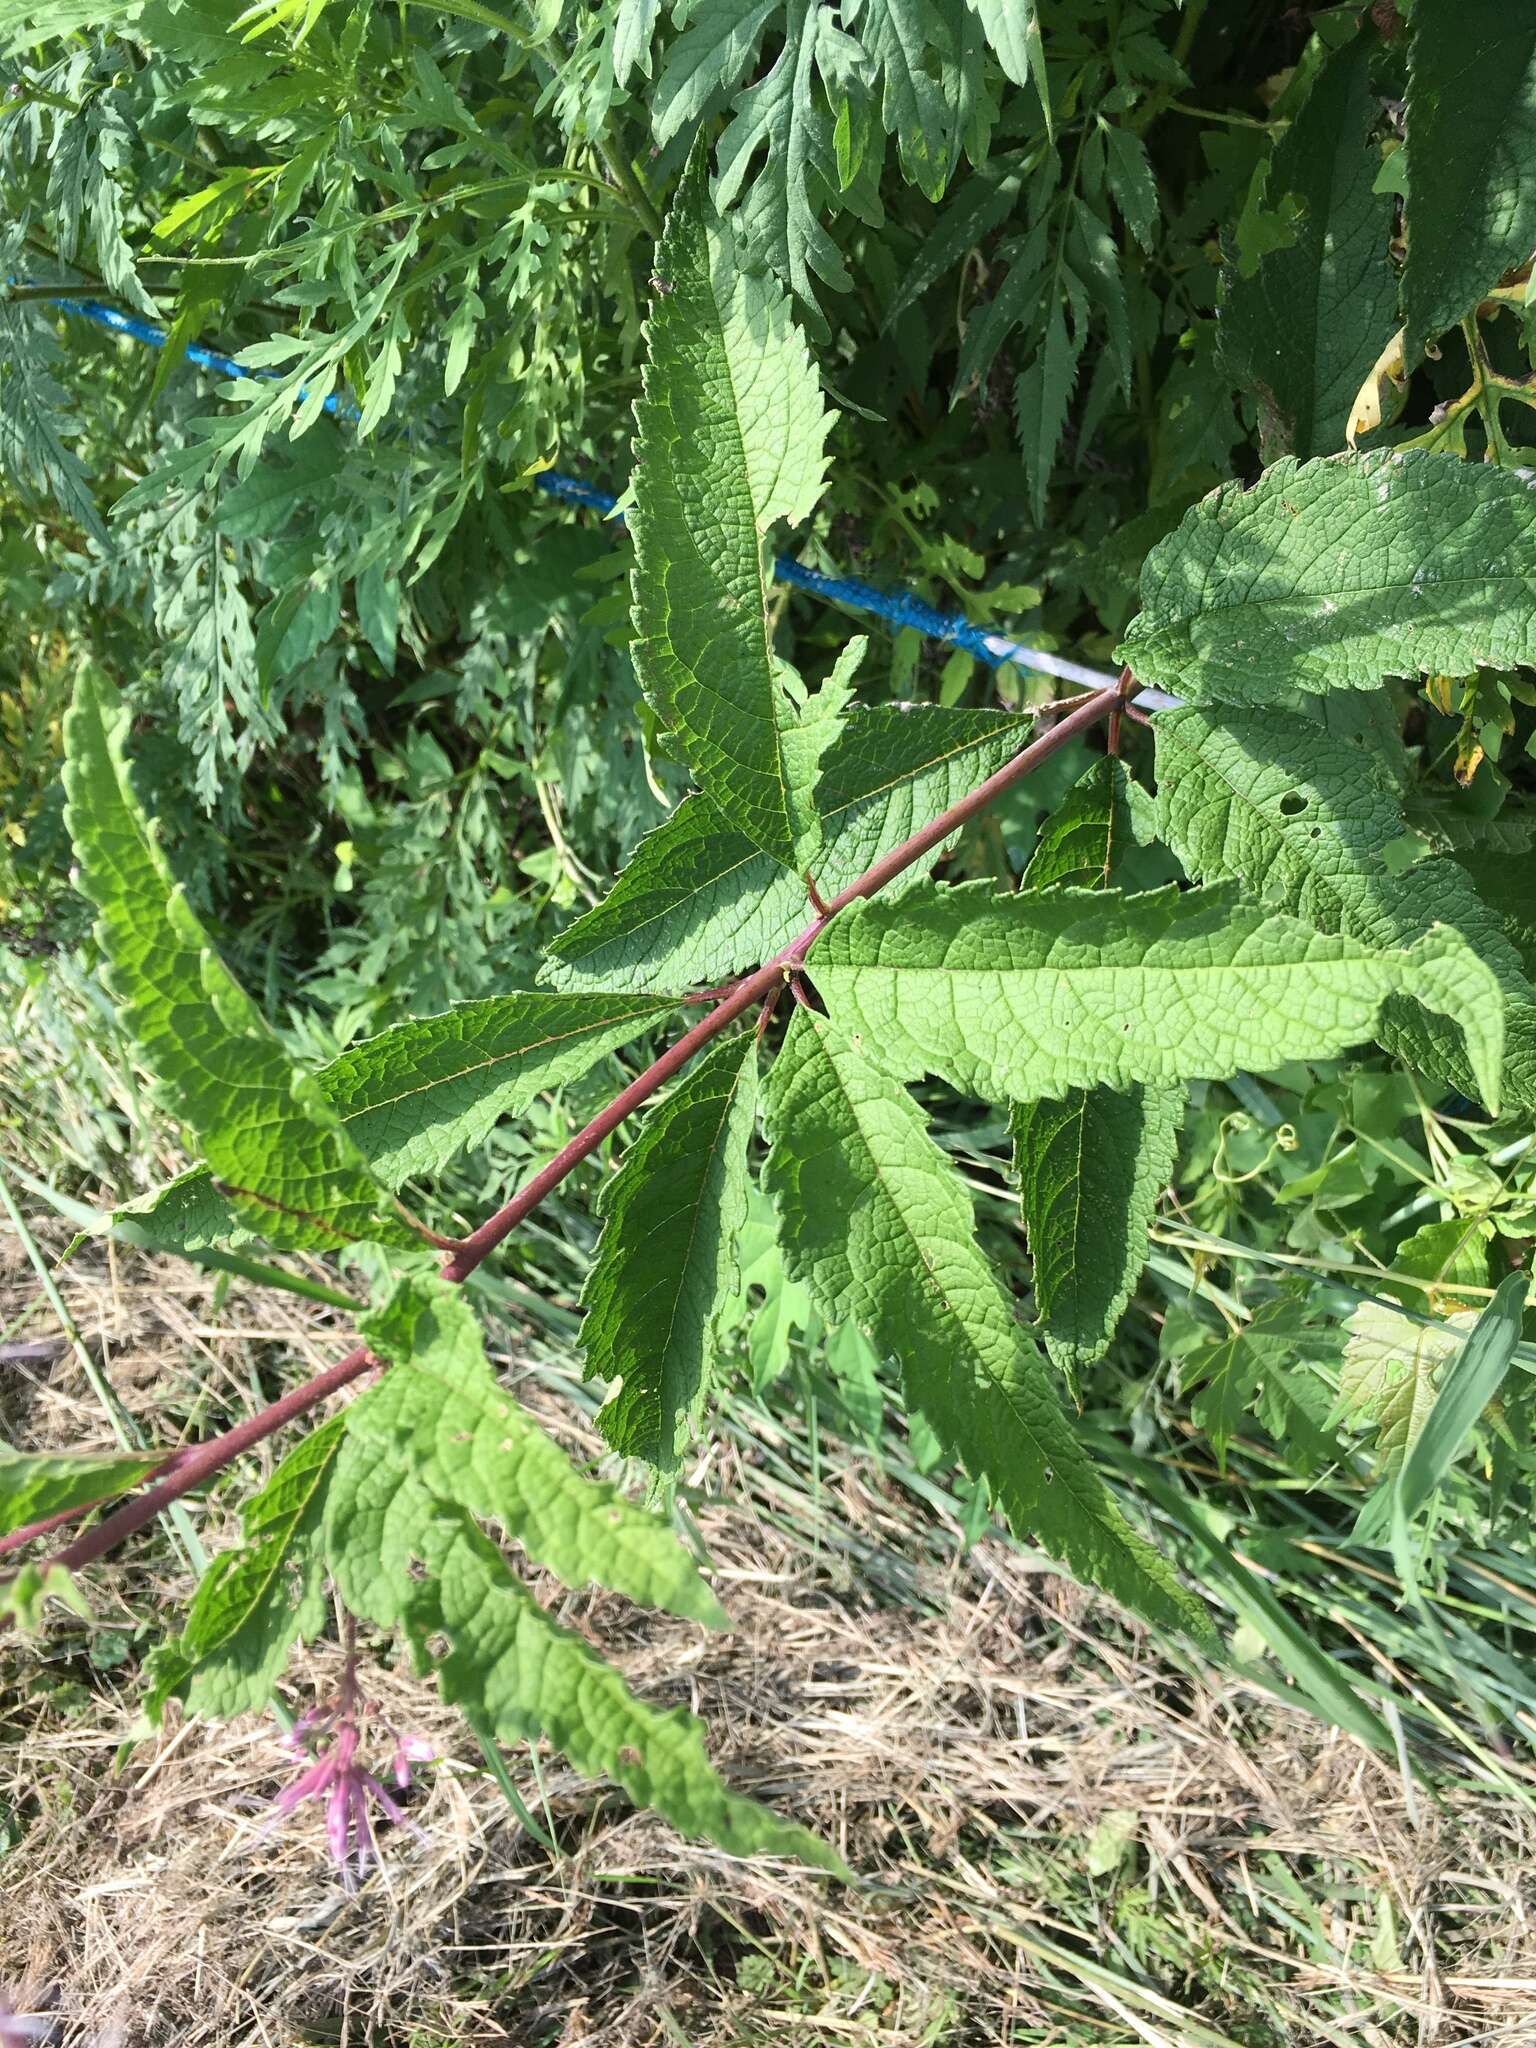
(347, 1788)
(19, 2029)
(410, 1749)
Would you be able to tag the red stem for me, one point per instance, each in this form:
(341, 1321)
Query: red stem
(190, 1467)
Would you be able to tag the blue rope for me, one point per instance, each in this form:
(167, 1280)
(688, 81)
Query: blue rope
(129, 325)
(898, 608)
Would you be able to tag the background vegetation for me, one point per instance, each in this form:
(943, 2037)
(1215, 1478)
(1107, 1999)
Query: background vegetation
(1063, 271)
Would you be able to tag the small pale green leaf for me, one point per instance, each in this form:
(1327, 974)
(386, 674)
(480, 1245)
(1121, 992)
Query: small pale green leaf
(877, 1223)
(1452, 1253)
(732, 439)
(1021, 996)
(23, 1593)
(35, 1485)
(771, 1308)
(1470, 1383)
(255, 1601)
(666, 1264)
(265, 1129)
(1090, 1169)
(1391, 1366)
(699, 901)
(1471, 129)
(440, 1413)
(1334, 574)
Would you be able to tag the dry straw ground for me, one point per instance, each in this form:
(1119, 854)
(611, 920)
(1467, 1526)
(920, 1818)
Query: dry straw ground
(1064, 1835)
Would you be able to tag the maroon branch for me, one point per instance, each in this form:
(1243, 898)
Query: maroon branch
(189, 1468)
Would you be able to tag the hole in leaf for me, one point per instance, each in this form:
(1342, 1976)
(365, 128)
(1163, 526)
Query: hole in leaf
(1291, 806)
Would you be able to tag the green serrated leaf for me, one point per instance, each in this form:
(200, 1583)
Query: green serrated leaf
(1451, 825)
(1104, 814)
(162, 1221)
(1090, 1169)
(265, 1129)
(1275, 800)
(255, 1601)
(415, 1096)
(712, 52)
(1505, 881)
(1305, 818)
(1131, 181)
(1230, 1372)
(1302, 329)
(35, 1485)
(402, 1556)
(784, 121)
(878, 1224)
(440, 1414)
(899, 36)
(666, 1266)
(1022, 996)
(1090, 1166)
(1333, 574)
(634, 27)
(698, 901)
(186, 1215)
(1015, 301)
(1471, 128)
(983, 202)
(37, 423)
(1012, 28)
(732, 439)
(1040, 399)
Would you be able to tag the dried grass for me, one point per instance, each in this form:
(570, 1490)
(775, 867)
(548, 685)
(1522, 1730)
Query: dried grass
(1063, 1836)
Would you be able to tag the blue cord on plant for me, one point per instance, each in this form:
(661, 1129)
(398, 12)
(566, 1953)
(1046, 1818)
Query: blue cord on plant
(898, 608)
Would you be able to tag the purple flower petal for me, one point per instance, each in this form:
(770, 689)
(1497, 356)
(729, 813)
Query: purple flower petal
(375, 1790)
(337, 1821)
(410, 1749)
(17, 2029)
